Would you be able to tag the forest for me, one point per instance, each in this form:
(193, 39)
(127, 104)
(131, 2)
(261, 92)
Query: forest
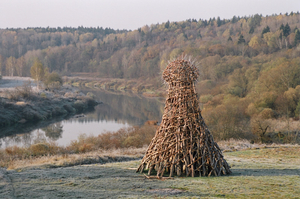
(249, 66)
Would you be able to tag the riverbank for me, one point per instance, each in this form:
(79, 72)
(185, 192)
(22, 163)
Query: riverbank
(25, 104)
(146, 87)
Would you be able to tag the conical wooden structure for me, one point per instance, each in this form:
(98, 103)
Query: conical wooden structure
(182, 143)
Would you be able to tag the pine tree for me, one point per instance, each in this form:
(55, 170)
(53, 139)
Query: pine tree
(234, 19)
(219, 22)
(287, 30)
(281, 27)
(251, 31)
(297, 37)
(167, 24)
(265, 30)
(241, 39)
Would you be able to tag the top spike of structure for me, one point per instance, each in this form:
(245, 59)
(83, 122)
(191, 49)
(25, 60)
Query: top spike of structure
(182, 143)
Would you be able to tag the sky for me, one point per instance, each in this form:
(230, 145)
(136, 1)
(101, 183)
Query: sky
(129, 14)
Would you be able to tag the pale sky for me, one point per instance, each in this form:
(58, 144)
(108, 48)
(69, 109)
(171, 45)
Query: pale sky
(129, 14)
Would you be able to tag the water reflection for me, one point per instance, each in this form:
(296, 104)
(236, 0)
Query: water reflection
(118, 110)
(18, 140)
(54, 131)
(61, 132)
(125, 107)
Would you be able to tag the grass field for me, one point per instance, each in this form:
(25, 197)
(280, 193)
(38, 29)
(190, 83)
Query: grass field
(257, 173)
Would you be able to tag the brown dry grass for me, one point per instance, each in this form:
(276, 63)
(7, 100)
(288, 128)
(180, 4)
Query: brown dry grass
(127, 142)
(124, 138)
(124, 142)
(51, 155)
(62, 160)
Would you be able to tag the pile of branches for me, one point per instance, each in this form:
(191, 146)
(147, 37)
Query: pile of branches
(183, 144)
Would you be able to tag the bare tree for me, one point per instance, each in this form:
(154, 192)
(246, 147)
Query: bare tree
(37, 71)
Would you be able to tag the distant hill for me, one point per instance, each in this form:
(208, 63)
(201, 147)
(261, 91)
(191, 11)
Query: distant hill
(249, 66)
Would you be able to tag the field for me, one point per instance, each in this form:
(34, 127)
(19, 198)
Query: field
(262, 172)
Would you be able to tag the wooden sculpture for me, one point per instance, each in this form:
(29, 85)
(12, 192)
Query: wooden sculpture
(182, 143)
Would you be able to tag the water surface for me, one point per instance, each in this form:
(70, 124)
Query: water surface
(118, 110)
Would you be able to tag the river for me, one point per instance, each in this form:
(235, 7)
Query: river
(117, 111)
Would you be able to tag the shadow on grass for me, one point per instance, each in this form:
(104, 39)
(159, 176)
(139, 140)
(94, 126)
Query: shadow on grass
(264, 172)
(247, 172)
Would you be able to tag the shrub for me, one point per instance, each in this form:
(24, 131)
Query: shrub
(43, 95)
(53, 81)
(85, 148)
(69, 108)
(24, 92)
(88, 100)
(123, 138)
(267, 113)
(297, 111)
(15, 151)
(39, 149)
(205, 98)
(259, 127)
(79, 106)
(131, 137)
(70, 94)
(251, 109)
(91, 95)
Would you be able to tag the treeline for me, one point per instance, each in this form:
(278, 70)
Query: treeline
(145, 51)
(20, 47)
(249, 66)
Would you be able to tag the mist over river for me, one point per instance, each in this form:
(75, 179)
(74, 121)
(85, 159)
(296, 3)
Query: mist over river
(117, 111)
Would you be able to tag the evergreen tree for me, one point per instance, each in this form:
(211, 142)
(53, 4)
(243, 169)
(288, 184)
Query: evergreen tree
(199, 35)
(234, 19)
(251, 31)
(167, 24)
(241, 39)
(297, 37)
(265, 30)
(219, 22)
(287, 30)
(255, 21)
